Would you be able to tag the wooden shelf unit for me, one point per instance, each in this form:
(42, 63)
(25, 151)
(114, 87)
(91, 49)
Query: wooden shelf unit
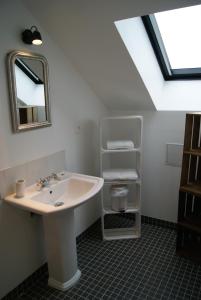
(189, 210)
(196, 152)
(194, 188)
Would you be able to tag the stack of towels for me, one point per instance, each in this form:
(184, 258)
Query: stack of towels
(120, 144)
(120, 174)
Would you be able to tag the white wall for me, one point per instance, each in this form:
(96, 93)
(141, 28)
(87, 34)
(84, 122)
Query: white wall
(160, 182)
(74, 106)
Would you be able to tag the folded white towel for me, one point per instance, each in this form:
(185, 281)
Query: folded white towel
(120, 174)
(120, 144)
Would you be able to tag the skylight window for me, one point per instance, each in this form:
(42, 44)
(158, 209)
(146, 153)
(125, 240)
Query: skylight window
(176, 39)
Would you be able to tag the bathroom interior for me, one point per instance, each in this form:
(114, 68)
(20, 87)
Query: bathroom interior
(102, 85)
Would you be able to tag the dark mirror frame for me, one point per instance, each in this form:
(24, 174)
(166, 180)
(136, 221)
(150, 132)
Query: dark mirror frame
(17, 127)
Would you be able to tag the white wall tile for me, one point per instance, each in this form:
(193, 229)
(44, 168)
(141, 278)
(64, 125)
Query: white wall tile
(56, 162)
(31, 171)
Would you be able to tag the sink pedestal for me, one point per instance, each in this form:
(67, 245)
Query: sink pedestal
(61, 249)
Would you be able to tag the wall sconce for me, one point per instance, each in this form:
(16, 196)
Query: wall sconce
(32, 36)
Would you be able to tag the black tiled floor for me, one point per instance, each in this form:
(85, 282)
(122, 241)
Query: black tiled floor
(145, 268)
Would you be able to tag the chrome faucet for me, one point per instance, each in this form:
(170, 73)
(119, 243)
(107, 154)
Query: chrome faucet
(44, 182)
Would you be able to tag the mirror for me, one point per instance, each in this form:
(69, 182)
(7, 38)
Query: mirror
(29, 90)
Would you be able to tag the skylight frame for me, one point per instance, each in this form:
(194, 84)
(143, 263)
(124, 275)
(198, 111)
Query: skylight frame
(156, 40)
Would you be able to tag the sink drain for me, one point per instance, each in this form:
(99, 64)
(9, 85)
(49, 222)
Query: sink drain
(59, 203)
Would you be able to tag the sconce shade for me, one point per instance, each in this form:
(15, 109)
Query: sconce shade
(27, 36)
(37, 39)
(32, 36)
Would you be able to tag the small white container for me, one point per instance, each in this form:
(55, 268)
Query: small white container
(119, 197)
(20, 188)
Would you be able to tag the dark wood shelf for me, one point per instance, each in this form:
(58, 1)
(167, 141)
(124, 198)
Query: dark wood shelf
(194, 253)
(189, 210)
(191, 223)
(194, 188)
(196, 151)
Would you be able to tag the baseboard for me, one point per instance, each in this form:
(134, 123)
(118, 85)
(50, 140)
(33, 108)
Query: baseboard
(64, 286)
(158, 222)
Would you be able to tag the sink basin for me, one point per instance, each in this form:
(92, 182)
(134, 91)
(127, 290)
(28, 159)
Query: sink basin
(56, 204)
(61, 195)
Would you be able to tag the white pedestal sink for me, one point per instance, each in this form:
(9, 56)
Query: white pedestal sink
(56, 204)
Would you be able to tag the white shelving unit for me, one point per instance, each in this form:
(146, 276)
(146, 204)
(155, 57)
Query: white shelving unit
(121, 128)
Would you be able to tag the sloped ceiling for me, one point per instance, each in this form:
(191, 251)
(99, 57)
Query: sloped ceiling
(85, 30)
